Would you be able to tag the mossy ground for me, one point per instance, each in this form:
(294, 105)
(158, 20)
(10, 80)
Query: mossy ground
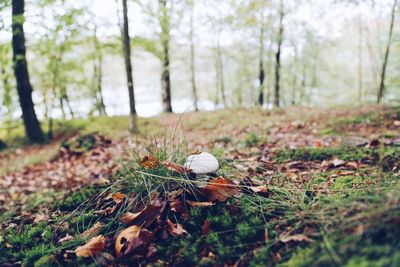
(351, 216)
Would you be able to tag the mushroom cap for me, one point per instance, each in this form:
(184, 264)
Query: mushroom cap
(202, 163)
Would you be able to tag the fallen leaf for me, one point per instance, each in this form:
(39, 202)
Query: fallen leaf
(66, 238)
(149, 162)
(131, 238)
(92, 248)
(124, 236)
(299, 238)
(175, 229)
(146, 216)
(175, 167)
(338, 162)
(40, 218)
(374, 143)
(129, 217)
(92, 231)
(196, 152)
(352, 165)
(266, 236)
(199, 204)
(118, 197)
(206, 228)
(220, 189)
(318, 143)
(259, 189)
(177, 206)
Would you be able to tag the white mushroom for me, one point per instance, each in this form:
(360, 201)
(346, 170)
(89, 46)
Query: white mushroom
(202, 163)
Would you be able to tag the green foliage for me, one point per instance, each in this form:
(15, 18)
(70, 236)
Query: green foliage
(251, 139)
(73, 200)
(387, 158)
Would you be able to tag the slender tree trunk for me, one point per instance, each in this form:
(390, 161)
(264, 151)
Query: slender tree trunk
(374, 65)
(128, 67)
(261, 72)
(192, 63)
(278, 57)
(217, 78)
(303, 83)
(294, 73)
(32, 127)
(360, 61)
(381, 89)
(66, 98)
(221, 74)
(220, 69)
(165, 76)
(98, 75)
(102, 106)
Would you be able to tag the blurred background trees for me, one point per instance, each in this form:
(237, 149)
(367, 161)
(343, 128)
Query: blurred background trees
(193, 55)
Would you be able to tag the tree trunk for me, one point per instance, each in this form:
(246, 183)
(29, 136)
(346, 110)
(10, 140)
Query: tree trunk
(261, 73)
(165, 76)
(360, 61)
(294, 73)
(192, 63)
(128, 67)
(102, 106)
(278, 57)
(220, 70)
(32, 127)
(217, 78)
(381, 89)
(98, 75)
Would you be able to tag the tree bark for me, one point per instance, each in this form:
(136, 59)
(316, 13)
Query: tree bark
(220, 69)
(278, 57)
(192, 63)
(128, 67)
(360, 61)
(217, 78)
(165, 76)
(98, 75)
(381, 89)
(32, 127)
(261, 72)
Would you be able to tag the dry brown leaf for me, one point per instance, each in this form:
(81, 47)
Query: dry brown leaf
(129, 217)
(338, 162)
(92, 231)
(352, 165)
(40, 218)
(298, 238)
(196, 152)
(149, 162)
(206, 228)
(175, 229)
(175, 167)
(220, 189)
(177, 206)
(146, 216)
(66, 238)
(92, 248)
(118, 197)
(199, 204)
(266, 236)
(124, 236)
(259, 189)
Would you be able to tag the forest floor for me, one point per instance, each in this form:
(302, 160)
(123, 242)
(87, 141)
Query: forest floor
(295, 187)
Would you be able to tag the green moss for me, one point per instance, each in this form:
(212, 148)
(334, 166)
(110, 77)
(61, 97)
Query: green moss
(386, 157)
(74, 199)
(45, 261)
(224, 140)
(251, 139)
